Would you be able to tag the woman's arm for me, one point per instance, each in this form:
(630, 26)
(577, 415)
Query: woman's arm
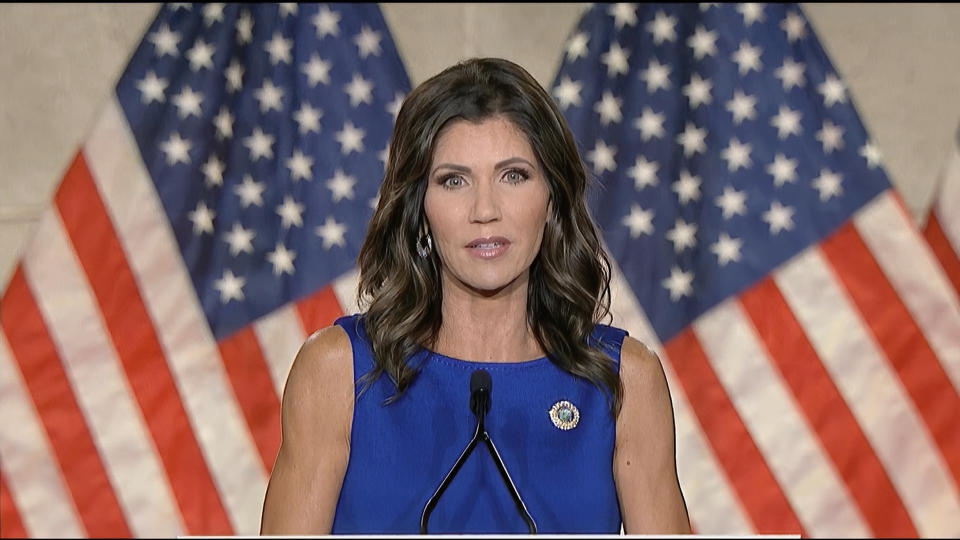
(644, 460)
(316, 416)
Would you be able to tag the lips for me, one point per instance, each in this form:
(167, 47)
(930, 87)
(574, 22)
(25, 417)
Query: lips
(488, 248)
(488, 243)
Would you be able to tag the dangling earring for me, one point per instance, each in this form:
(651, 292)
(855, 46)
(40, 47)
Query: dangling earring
(424, 245)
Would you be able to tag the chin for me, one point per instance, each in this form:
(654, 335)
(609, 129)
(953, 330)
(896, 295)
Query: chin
(489, 283)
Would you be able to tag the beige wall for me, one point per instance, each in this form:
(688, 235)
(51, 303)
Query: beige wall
(58, 64)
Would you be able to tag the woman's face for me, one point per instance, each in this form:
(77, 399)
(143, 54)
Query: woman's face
(486, 203)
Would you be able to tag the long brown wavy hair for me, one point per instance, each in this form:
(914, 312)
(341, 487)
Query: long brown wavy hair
(569, 285)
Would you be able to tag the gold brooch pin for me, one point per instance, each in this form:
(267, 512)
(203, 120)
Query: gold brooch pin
(564, 415)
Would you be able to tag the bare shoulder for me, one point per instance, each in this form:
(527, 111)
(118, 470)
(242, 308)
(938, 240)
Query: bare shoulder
(641, 371)
(321, 375)
(326, 350)
(316, 418)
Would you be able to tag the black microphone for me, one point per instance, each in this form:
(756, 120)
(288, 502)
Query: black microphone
(480, 386)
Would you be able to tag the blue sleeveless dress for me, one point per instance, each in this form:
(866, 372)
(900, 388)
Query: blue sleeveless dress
(400, 453)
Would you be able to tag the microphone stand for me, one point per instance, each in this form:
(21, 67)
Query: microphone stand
(479, 435)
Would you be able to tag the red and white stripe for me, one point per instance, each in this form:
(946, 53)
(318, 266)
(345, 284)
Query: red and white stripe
(29, 467)
(96, 378)
(822, 400)
(942, 229)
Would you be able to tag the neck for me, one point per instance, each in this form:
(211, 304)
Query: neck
(486, 327)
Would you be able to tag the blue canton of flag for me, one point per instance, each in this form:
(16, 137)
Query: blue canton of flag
(264, 128)
(715, 163)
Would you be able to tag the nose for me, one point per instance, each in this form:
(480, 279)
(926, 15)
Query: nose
(486, 206)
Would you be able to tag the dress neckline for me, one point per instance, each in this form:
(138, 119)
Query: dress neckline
(433, 355)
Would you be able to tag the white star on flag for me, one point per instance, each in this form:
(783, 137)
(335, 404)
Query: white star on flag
(212, 13)
(151, 87)
(341, 186)
(779, 217)
(687, 187)
(234, 75)
(616, 60)
(177, 149)
(213, 171)
(188, 102)
(577, 46)
(790, 73)
(623, 14)
(269, 97)
(230, 287)
(747, 57)
(679, 283)
(742, 106)
(568, 93)
(299, 165)
(650, 124)
(657, 76)
(608, 108)
(644, 173)
(698, 91)
(703, 43)
(661, 27)
(282, 260)
(737, 155)
(692, 139)
(831, 136)
(782, 169)
(602, 157)
(828, 184)
(165, 42)
(202, 218)
(350, 138)
(260, 144)
(332, 233)
(240, 239)
(201, 55)
(751, 12)
(279, 49)
(290, 212)
(872, 154)
(833, 90)
(359, 90)
(732, 202)
(307, 119)
(787, 122)
(317, 70)
(639, 221)
(327, 22)
(250, 192)
(223, 122)
(726, 249)
(683, 235)
(244, 28)
(794, 26)
(368, 42)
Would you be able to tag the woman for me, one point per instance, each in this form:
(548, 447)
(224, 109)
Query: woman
(480, 255)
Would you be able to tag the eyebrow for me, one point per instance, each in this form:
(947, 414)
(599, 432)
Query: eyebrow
(499, 165)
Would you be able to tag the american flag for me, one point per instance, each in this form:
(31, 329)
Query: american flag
(811, 342)
(209, 223)
(942, 227)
